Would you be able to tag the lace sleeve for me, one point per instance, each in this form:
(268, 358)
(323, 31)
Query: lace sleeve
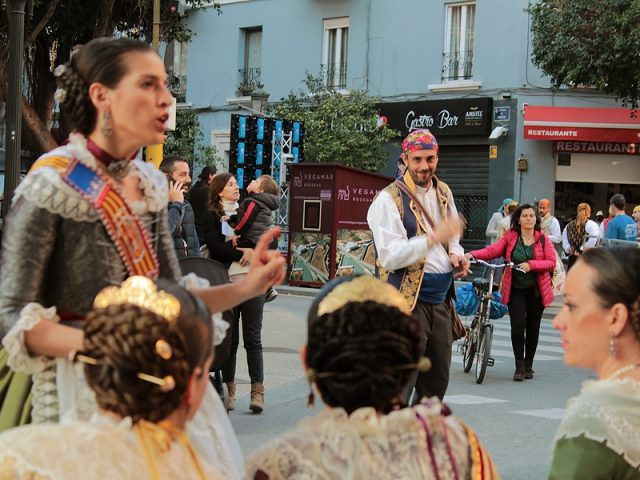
(29, 238)
(19, 358)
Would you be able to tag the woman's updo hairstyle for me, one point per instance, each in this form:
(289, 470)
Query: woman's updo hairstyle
(123, 340)
(617, 279)
(217, 186)
(363, 353)
(101, 60)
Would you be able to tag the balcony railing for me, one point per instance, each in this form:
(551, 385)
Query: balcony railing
(457, 65)
(335, 74)
(249, 80)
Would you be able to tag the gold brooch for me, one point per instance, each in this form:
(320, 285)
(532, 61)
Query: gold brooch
(362, 289)
(142, 292)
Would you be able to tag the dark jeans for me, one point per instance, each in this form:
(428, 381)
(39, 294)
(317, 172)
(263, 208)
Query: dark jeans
(436, 344)
(525, 312)
(250, 312)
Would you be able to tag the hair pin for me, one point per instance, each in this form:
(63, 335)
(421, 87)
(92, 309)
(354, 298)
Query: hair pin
(166, 384)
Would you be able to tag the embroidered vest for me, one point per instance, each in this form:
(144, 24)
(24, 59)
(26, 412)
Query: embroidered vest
(409, 279)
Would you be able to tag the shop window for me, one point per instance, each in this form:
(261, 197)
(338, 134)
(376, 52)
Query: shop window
(251, 72)
(334, 52)
(458, 42)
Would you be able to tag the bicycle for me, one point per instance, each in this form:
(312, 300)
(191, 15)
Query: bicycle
(477, 343)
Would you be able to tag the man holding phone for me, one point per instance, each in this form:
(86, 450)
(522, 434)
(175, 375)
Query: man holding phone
(181, 218)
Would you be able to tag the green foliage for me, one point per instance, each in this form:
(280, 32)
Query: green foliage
(589, 43)
(187, 141)
(339, 127)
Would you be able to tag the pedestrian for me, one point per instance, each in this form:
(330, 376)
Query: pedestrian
(181, 217)
(605, 224)
(636, 217)
(363, 346)
(199, 199)
(599, 326)
(549, 224)
(580, 234)
(255, 216)
(504, 225)
(622, 226)
(87, 216)
(526, 293)
(416, 231)
(146, 353)
(223, 202)
(494, 222)
(599, 218)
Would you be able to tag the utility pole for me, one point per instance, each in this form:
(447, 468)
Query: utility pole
(14, 101)
(154, 152)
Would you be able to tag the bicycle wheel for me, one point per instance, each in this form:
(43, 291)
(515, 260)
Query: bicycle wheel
(484, 351)
(469, 349)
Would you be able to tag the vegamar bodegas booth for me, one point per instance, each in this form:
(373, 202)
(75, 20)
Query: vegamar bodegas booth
(596, 153)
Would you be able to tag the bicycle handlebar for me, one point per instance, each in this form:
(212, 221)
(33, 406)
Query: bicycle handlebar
(496, 266)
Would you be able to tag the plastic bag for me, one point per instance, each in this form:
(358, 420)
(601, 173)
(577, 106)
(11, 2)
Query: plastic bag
(498, 309)
(466, 300)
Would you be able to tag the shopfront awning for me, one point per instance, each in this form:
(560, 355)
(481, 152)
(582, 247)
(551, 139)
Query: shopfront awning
(579, 123)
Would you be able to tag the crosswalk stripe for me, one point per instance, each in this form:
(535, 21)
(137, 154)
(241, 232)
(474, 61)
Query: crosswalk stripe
(509, 354)
(542, 338)
(541, 347)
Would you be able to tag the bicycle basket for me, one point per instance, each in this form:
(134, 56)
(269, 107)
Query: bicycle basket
(466, 300)
(498, 309)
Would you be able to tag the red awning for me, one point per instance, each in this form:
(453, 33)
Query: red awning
(579, 123)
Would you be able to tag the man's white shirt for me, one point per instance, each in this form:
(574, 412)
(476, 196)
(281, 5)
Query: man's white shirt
(394, 249)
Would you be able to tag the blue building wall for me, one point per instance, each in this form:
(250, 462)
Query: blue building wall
(395, 52)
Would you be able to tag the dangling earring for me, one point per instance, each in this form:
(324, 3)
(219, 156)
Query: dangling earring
(613, 351)
(106, 127)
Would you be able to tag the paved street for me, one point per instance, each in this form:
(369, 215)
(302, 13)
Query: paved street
(516, 421)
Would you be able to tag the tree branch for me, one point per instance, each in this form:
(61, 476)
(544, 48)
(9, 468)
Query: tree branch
(51, 7)
(106, 11)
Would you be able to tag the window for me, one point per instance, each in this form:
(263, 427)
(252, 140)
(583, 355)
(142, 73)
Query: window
(458, 42)
(250, 73)
(334, 52)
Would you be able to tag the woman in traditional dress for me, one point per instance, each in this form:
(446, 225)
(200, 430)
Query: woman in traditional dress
(599, 325)
(88, 216)
(146, 355)
(363, 346)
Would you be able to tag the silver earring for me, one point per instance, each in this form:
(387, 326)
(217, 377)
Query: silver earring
(613, 351)
(106, 127)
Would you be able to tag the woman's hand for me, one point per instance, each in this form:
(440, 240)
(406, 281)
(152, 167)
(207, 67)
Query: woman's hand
(525, 266)
(247, 256)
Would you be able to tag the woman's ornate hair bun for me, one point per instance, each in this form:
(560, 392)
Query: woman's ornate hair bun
(142, 292)
(362, 289)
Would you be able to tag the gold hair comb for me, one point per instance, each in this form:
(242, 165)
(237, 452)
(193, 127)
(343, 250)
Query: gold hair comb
(142, 292)
(361, 289)
(166, 384)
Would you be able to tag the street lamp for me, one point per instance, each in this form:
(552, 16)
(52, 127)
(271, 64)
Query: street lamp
(14, 100)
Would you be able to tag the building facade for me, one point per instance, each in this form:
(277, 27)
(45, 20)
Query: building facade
(460, 68)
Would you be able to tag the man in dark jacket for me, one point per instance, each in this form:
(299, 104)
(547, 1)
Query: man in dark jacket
(181, 218)
(199, 199)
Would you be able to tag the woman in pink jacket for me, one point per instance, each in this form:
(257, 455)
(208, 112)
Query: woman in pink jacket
(526, 294)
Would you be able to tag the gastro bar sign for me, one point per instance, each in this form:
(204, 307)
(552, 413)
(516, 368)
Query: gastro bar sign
(442, 117)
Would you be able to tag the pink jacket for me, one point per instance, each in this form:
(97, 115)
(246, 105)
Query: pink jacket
(543, 262)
